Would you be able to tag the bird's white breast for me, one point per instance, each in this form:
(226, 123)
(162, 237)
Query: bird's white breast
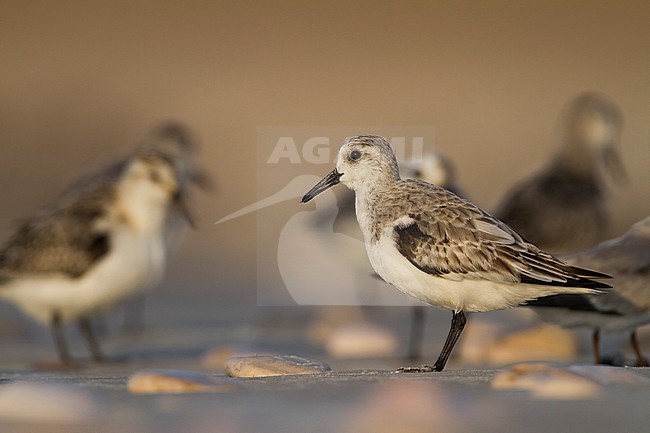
(453, 291)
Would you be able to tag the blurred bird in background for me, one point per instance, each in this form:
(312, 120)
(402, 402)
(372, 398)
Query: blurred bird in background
(175, 142)
(626, 306)
(563, 208)
(100, 242)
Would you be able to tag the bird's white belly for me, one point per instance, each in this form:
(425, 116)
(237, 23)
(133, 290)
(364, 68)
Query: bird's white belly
(133, 263)
(455, 292)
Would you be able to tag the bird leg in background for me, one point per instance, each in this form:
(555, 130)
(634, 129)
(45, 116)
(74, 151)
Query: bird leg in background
(417, 331)
(87, 332)
(458, 321)
(640, 360)
(134, 311)
(59, 340)
(595, 340)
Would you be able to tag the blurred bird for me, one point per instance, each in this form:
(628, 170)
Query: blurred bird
(434, 168)
(99, 243)
(563, 208)
(626, 306)
(175, 142)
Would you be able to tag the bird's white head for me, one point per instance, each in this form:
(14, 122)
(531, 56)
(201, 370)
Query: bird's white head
(176, 142)
(594, 121)
(147, 188)
(364, 162)
(592, 131)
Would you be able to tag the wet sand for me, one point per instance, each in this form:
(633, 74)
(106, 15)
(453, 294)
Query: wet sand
(354, 396)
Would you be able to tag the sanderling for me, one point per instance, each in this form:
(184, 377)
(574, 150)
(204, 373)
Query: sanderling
(563, 208)
(626, 306)
(441, 249)
(97, 244)
(431, 167)
(175, 142)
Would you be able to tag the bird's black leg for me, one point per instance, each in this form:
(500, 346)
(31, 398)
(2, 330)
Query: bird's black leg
(457, 324)
(86, 330)
(134, 313)
(640, 360)
(59, 339)
(595, 341)
(417, 332)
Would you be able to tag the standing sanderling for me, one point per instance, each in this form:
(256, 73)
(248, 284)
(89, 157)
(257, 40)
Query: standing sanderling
(97, 244)
(441, 249)
(626, 306)
(563, 208)
(175, 142)
(432, 167)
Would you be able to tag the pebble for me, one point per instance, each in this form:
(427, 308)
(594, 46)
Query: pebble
(361, 340)
(545, 381)
(544, 342)
(327, 320)
(214, 359)
(273, 365)
(41, 403)
(176, 382)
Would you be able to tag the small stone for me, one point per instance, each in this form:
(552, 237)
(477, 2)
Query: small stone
(273, 365)
(361, 340)
(176, 382)
(215, 359)
(547, 382)
(327, 320)
(32, 402)
(545, 342)
(542, 343)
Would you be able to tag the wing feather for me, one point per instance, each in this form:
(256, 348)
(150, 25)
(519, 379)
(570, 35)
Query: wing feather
(62, 239)
(452, 236)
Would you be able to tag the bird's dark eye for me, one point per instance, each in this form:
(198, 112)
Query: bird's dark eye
(354, 155)
(155, 177)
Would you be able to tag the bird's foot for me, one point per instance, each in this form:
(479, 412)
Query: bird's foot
(420, 369)
(615, 360)
(619, 360)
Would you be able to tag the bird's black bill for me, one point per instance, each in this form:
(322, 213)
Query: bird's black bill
(182, 207)
(327, 182)
(615, 166)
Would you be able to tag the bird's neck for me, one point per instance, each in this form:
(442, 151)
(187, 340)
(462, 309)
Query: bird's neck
(142, 215)
(365, 201)
(577, 159)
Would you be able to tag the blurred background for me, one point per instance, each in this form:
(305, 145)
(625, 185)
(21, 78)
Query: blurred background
(83, 81)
